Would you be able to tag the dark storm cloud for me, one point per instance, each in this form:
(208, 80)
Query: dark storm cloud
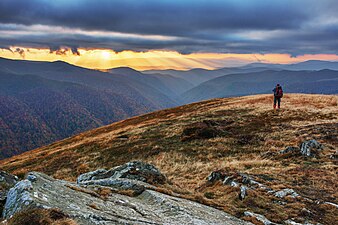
(178, 18)
(199, 25)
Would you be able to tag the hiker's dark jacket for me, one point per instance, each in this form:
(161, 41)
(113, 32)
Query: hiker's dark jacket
(275, 92)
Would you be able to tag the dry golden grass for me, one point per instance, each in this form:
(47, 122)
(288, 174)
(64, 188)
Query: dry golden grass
(40, 217)
(251, 136)
(94, 206)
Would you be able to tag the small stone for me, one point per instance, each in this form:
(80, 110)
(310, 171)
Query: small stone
(234, 184)
(215, 176)
(260, 218)
(243, 192)
(306, 213)
(333, 204)
(285, 192)
(289, 149)
(246, 179)
(334, 155)
(310, 148)
(291, 222)
(31, 177)
(227, 180)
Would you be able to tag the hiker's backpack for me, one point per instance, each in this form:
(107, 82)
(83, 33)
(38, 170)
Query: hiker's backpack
(279, 92)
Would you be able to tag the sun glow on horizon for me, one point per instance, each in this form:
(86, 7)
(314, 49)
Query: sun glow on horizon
(154, 59)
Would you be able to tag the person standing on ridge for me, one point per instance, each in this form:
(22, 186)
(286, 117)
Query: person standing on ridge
(277, 95)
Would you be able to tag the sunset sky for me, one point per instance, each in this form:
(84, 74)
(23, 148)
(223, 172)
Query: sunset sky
(177, 34)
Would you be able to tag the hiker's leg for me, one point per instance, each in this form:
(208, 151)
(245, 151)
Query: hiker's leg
(274, 102)
(279, 103)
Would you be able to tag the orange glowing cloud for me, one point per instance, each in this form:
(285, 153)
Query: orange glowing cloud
(161, 59)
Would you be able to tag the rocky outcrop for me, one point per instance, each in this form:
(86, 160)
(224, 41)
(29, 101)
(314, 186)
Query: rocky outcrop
(133, 186)
(135, 170)
(133, 177)
(87, 206)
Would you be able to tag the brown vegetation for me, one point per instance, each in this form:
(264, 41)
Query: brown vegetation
(245, 137)
(40, 217)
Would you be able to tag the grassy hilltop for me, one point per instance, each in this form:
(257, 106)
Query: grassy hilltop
(231, 135)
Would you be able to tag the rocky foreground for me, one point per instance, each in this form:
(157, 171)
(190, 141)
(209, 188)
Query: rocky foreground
(123, 195)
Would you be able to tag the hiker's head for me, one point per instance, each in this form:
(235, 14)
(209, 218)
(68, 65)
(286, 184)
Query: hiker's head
(277, 85)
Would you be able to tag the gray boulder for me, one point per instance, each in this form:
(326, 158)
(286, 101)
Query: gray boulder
(6, 182)
(18, 198)
(87, 207)
(135, 170)
(310, 148)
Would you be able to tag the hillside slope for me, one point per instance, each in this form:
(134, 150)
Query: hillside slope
(169, 85)
(35, 111)
(42, 102)
(233, 137)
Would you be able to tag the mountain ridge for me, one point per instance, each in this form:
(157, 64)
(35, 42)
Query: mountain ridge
(263, 82)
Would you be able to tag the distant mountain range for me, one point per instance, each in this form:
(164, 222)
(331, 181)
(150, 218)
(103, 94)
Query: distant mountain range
(307, 65)
(322, 81)
(198, 76)
(41, 102)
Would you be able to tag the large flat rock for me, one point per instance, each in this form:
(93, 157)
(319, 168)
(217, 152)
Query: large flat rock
(86, 207)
